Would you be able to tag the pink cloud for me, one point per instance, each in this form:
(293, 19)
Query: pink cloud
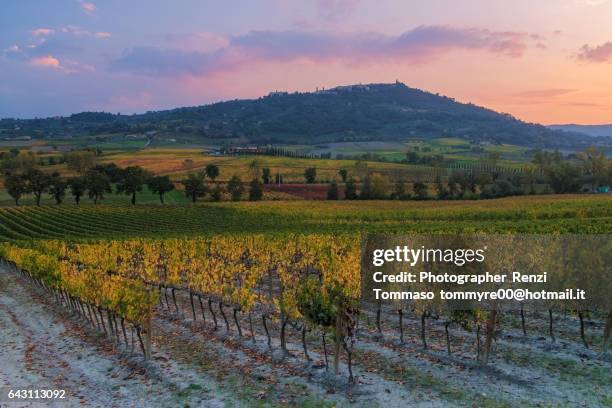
(42, 32)
(102, 34)
(600, 53)
(416, 46)
(46, 61)
(89, 8)
(67, 66)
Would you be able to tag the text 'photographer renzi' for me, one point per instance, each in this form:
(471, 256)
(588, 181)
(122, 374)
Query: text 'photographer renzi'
(488, 271)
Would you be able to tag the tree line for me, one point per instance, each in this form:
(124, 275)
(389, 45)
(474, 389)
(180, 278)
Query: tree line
(22, 176)
(196, 186)
(587, 171)
(275, 152)
(549, 172)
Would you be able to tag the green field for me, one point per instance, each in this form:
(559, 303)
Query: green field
(545, 214)
(452, 148)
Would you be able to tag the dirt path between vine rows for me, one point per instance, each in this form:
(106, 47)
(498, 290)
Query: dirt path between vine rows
(42, 348)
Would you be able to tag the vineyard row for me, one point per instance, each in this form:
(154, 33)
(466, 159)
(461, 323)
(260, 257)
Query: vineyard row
(302, 281)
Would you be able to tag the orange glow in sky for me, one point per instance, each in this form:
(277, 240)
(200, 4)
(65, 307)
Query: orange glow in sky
(546, 61)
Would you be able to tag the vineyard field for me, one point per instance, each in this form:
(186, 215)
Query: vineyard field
(275, 321)
(256, 304)
(537, 214)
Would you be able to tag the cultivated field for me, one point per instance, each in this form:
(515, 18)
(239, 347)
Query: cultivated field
(223, 314)
(538, 214)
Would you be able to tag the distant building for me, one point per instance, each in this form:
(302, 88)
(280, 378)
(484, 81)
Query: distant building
(351, 88)
(278, 93)
(243, 150)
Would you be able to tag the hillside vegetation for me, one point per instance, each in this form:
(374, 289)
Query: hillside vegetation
(349, 113)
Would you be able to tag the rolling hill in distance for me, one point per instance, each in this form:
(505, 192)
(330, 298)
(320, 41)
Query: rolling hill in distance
(372, 112)
(591, 130)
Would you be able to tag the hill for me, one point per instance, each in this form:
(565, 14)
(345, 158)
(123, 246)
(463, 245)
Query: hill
(591, 130)
(379, 112)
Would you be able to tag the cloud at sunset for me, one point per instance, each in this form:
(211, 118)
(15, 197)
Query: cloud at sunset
(600, 53)
(65, 43)
(42, 32)
(59, 53)
(413, 46)
(89, 8)
(47, 61)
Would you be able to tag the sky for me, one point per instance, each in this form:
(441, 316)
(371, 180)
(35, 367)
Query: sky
(544, 61)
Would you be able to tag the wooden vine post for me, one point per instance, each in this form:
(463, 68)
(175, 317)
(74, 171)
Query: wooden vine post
(148, 329)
